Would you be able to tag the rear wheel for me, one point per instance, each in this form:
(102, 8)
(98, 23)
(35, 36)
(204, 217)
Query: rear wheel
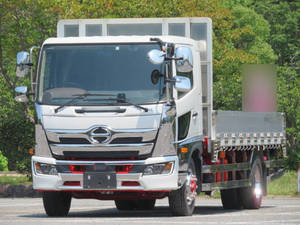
(145, 204)
(251, 197)
(57, 203)
(230, 199)
(182, 201)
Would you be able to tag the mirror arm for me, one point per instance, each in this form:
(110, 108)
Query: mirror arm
(31, 65)
(172, 80)
(159, 41)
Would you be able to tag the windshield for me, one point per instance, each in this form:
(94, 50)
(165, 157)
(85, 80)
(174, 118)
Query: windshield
(110, 69)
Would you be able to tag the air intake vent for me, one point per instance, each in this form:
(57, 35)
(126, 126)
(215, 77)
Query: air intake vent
(73, 141)
(100, 139)
(127, 140)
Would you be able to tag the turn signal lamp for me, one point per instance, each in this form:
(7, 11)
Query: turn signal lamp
(31, 151)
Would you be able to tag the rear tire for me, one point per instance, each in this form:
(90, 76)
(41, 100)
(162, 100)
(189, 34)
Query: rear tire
(57, 203)
(182, 201)
(230, 199)
(145, 204)
(251, 197)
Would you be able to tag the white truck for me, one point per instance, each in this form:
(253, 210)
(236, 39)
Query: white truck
(124, 109)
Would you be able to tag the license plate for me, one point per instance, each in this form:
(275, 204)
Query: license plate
(98, 180)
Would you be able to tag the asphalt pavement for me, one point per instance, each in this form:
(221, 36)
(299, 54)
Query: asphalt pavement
(21, 211)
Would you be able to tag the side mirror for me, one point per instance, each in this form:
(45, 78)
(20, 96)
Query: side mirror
(182, 84)
(21, 98)
(156, 56)
(23, 61)
(184, 65)
(23, 91)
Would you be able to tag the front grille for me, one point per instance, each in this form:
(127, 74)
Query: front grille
(73, 141)
(101, 155)
(127, 140)
(100, 139)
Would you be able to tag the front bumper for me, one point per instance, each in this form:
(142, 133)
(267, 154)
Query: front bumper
(159, 182)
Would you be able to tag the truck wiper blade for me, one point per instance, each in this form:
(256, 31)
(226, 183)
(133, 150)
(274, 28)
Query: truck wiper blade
(130, 103)
(121, 98)
(77, 97)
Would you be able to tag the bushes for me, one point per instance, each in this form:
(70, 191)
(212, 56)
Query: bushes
(17, 136)
(3, 163)
(293, 160)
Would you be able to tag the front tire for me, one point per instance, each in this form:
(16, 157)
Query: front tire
(182, 201)
(57, 203)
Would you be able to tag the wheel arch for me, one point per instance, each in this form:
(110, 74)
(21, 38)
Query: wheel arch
(196, 156)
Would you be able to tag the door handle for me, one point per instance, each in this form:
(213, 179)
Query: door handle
(195, 114)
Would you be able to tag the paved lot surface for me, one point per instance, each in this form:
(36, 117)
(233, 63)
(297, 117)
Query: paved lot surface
(21, 211)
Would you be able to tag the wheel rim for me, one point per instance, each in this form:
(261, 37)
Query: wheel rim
(191, 187)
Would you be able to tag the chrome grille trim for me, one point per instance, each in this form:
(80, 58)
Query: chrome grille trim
(143, 148)
(146, 134)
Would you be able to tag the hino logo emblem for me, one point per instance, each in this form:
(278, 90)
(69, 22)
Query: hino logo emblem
(99, 135)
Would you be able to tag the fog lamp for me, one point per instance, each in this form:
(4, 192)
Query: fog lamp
(44, 168)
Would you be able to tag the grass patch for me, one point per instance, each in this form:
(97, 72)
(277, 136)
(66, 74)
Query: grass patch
(14, 180)
(285, 185)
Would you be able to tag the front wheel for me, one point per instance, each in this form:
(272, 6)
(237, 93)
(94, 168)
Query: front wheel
(251, 197)
(182, 201)
(57, 203)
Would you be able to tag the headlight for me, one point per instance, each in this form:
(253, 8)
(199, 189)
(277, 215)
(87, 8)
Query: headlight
(160, 168)
(43, 168)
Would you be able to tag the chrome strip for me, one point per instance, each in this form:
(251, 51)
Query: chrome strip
(225, 167)
(147, 134)
(189, 140)
(143, 148)
(226, 185)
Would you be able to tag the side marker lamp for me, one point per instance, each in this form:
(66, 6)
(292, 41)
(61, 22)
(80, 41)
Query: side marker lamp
(184, 150)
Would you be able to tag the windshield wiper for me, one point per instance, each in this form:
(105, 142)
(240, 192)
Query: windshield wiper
(121, 99)
(77, 97)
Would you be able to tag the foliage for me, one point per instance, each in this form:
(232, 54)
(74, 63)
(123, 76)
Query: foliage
(3, 162)
(16, 138)
(285, 185)
(14, 180)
